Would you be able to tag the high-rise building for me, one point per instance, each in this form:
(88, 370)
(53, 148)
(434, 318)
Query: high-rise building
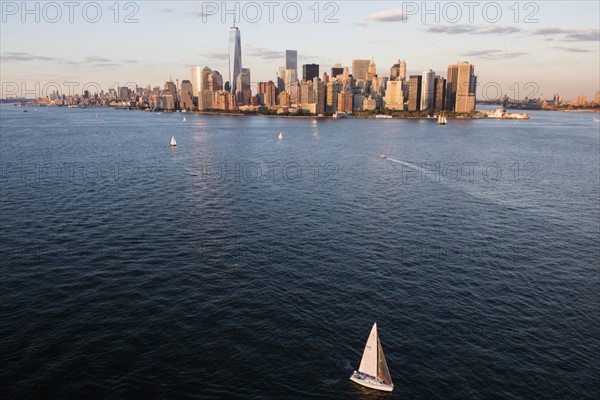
(187, 95)
(337, 70)
(235, 56)
(414, 93)
(466, 83)
(427, 89)
(244, 91)
(597, 97)
(394, 96)
(216, 81)
(281, 79)
(333, 89)
(398, 70)
(309, 72)
(290, 79)
(291, 59)
(195, 75)
(269, 96)
(372, 72)
(451, 84)
(318, 96)
(172, 88)
(360, 68)
(439, 94)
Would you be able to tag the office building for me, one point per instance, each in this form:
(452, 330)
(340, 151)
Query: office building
(360, 68)
(309, 72)
(414, 93)
(235, 56)
(427, 89)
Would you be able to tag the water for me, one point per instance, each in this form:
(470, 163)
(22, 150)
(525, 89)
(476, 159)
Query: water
(241, 266)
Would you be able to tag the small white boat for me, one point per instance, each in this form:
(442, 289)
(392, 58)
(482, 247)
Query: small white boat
(442, 120)
(184, 119)
(595, 119)
(383, 157)
(173, 142)
(280, 137)
(373, 371)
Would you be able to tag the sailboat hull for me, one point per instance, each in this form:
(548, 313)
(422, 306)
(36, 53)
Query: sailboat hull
(370, 382)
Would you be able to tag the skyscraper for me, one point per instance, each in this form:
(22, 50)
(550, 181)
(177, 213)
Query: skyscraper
(235, 56)
(414, 93)
(196, 76)
(360, 68)
(187, 95)
(451, 82)
(310, 71)
(336, 70)
(427, 89)
(398, 70)
(465, 87)
(291, 59)
(439, 93)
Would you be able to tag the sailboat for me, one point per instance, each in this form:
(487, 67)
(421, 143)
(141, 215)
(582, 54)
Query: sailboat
(442, 120)
(373, 371)
(184, 119)
(280, 137)
(173, 142)
(97, 117)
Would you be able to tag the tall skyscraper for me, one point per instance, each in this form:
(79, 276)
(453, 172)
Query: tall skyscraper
(235, 56)
(464, 85)
(310, 71)
(196, 76)
(451, 82)
(291, 59)
(398, 70)
(414, 93)
(394, 97)
(187, 95)
(439, 94)
(336, 70)
(427, 89)
(372, 71)
(360, 68)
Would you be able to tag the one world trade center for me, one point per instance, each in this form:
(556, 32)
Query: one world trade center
(235, 56)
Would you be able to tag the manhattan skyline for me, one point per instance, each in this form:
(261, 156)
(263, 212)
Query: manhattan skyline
(559, 54)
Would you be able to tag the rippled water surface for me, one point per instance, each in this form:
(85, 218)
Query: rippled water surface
(242, 266)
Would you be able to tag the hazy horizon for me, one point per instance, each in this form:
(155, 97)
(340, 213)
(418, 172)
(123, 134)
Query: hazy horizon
(558, 53)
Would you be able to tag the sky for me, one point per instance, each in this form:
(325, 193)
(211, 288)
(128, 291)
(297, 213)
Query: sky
(519, 49)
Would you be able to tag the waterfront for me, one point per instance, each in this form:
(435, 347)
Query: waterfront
(241, 266)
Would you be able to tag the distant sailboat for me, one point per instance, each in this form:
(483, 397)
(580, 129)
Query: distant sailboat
(442, 120)
(373, 371)
(184, 119)
(280, 137)
(97, 118)
(173, 142)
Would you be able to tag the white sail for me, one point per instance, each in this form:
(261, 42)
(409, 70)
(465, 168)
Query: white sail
(280, 136)
(383, 373)
(184, 119)
(368, 364)
(173, 142)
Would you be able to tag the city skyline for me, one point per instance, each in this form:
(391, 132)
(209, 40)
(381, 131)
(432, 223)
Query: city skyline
(572, 47)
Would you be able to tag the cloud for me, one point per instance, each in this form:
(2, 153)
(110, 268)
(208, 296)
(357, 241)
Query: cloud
(166, 10)
(572, 49)
(361, 24)
(130, 61)
(265, 53)
(217, 54)
(198, 10)
(473, 29)
(20, 56)
(391, 15)
(95, 60)
(493, 54)
(570, 35)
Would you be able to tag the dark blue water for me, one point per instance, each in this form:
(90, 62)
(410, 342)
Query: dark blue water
(241, 266)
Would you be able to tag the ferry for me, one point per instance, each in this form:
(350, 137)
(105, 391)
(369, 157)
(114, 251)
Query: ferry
(502, 114)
